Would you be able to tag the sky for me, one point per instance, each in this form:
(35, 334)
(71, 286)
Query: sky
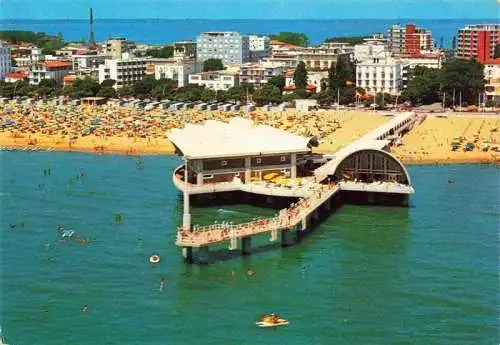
(250, 9)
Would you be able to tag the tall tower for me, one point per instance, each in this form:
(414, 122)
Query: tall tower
(91, 34)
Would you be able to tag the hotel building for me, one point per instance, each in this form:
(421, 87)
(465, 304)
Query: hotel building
(478, 42)
(124, 72)
(215, 80)
(53, 70)
(228, 46)
(5, 63)
(380, 74)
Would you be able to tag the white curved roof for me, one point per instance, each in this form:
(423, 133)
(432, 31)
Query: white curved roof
(239, 137)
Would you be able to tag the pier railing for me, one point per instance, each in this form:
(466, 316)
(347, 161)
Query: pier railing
(287, 219)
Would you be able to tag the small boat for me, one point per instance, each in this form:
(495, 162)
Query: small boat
(272, 320)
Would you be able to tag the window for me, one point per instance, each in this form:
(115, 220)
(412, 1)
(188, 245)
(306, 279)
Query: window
(223, 163)
(258, 160)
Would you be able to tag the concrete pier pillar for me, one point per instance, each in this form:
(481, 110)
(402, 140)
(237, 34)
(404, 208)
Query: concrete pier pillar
(186, 216)
(371, 198)
(287, 238)
(269, 200)
(246, 245)
(293, 166)
(248, 169)
(187, 254)
(327, 205)
(203, 254)
(303, 224)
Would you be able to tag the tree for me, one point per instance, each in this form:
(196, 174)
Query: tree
(278, 81)
(207, 95)
(107, 92)
(382, 99)
(46, 88)
(341, 74)
(213, 65)
(454, 43)
(423, 86)
(465, 76)
(126, 91)
(237, 93)
(352, 40)
(108, 83)
(86, 87)
(295, 38)
(300, 76)
(142, 88)
(188, 93)
(267, 93)
(163, 52)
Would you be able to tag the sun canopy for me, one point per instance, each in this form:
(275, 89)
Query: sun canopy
(239, 137)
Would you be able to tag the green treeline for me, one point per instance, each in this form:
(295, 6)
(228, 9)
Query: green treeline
(47, 43)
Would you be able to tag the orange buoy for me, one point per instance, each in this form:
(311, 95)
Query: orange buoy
(154, 259)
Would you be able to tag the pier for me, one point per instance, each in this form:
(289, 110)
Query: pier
(364, 168)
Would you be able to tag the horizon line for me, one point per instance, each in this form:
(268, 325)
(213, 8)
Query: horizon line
(218, 19)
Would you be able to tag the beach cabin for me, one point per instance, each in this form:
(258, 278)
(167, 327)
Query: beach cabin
(306, 104)
(282, 107)
(225, 107)
(201, 106)
(250, 107)
(93, 100)
(266, 108)
(76, 102)
(164, 105)
(29, 101)
(187, 106)
(235, 107)
(176, 106)
(212, 107)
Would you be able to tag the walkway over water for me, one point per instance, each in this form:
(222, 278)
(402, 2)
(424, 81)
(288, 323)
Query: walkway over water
(363, 166)
(288, 218)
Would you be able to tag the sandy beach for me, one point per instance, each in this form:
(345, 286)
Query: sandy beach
(431, 141)
(110, 129)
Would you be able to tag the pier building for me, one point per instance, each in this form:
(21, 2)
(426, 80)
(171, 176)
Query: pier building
(262, 160)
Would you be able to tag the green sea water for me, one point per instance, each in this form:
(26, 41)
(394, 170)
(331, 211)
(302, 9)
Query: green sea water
(427, 274)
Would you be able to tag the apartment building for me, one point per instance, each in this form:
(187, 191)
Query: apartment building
(184, 50)
(478, 42)
(5, 62)
(381, 74)
(228, 46)
(258, 74)
(259, 47)
(175, 69)
(116, 47)
(53, 70)
(123, 71)
(492, 86)
(87, 64)
(409, 40)
(215, 80)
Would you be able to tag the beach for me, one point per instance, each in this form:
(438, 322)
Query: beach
(431, 141)
(111, 129)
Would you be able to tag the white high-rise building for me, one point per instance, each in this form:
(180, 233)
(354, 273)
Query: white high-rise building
(228, 46)
(123, 72)
(5, 63)
(380, 74)
(259, 47)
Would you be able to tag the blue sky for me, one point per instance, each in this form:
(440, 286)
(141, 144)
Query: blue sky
(245, 9)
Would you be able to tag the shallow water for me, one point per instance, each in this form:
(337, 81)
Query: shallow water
(368, 275)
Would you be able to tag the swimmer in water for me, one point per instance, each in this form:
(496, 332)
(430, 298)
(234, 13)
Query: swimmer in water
(85, 308)
(250, 272)
(162, 283)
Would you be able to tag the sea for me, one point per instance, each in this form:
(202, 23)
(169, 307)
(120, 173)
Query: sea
(162, 31)
(423, 274)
